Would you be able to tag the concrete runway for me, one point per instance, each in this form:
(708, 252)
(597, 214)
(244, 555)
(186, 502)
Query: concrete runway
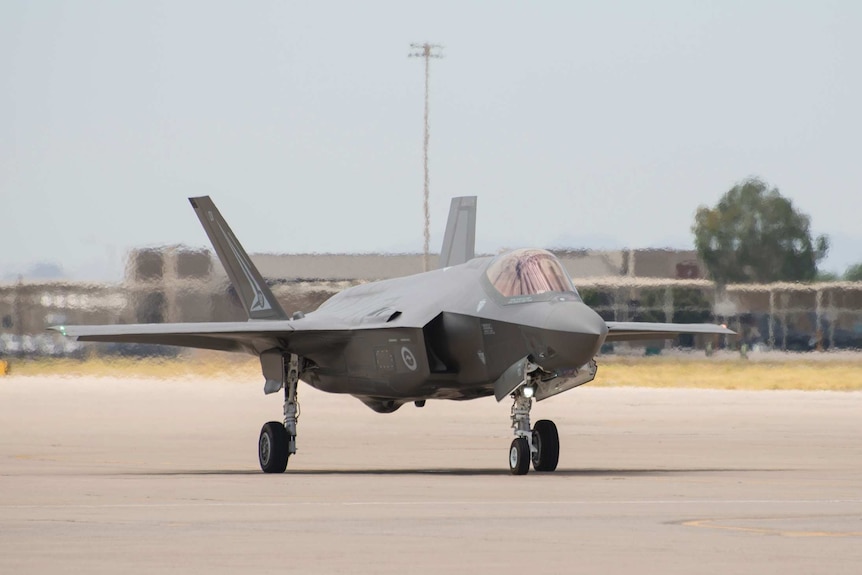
(143, 476)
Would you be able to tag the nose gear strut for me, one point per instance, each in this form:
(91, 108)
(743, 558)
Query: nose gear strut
(539, 445)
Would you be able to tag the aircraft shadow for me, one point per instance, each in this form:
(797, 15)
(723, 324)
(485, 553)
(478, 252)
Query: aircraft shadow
(455, 472)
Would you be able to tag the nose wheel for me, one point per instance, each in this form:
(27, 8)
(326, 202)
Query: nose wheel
(546, 442)
(519, 456)
(539, 445)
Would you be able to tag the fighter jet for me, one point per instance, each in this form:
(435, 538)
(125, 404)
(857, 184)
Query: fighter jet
(511, 325)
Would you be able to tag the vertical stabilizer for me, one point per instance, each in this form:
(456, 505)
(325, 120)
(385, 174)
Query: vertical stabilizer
(255, 295)
(459, 243)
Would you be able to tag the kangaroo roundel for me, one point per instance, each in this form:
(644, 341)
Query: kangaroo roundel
(409, 359)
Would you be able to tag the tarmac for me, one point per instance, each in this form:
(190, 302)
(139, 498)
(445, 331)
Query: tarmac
(109, 475)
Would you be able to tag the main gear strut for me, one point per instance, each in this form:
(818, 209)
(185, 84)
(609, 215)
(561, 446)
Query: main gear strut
(278, 440)
(291, 402)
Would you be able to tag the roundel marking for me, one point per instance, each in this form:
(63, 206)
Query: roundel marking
(409, 359)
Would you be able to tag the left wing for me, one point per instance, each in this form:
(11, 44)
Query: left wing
(635, 330)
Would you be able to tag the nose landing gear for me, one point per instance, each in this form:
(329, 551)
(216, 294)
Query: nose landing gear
(519, 456)
(546, 440)
(539, 445)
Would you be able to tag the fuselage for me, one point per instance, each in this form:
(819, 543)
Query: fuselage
(452, 333)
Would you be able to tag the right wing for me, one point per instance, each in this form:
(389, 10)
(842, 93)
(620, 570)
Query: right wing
(268, 324)
(245, 336)
(221, 336)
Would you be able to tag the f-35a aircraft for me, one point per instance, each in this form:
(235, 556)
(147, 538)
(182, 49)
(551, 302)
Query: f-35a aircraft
(508, 326)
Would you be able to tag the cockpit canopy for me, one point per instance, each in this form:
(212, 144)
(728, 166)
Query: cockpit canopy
(528, 272)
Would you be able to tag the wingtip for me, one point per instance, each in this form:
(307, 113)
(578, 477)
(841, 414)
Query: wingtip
(61, 329)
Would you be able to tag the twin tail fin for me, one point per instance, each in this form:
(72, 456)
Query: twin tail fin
(459, 242)
(255, 295)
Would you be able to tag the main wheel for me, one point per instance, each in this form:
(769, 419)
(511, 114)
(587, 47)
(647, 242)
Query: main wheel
(272, 447)
(547, 442)
(519, 456)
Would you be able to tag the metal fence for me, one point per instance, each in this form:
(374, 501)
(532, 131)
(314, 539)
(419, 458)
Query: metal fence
(798, 317)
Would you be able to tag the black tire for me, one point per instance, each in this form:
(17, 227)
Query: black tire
(519, 456)
(547, 443)
(272, 447)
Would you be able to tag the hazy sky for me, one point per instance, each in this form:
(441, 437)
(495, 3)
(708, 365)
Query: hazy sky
(582, 124)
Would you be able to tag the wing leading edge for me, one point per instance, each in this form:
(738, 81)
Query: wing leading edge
(635, 330)
(244, 336)
(220, 336)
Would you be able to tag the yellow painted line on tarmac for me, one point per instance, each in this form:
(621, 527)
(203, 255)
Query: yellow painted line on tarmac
(711, 524)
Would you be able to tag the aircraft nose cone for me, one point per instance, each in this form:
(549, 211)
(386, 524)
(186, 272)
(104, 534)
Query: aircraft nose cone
(572, 334)
(576, 318)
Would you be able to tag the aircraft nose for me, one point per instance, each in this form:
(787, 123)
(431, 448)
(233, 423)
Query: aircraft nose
(576, 317)
(572, 334)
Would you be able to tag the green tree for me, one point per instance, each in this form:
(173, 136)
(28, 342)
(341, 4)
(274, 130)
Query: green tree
(854, 273)
(755, 234)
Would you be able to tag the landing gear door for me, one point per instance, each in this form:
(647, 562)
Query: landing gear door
(585, 374)
(272, 366)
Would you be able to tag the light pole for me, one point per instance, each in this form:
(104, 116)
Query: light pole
(426, 51)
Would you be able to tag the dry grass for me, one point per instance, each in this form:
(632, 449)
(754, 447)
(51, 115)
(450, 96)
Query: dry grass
(665, 372)
(730, 374)
(203, 365)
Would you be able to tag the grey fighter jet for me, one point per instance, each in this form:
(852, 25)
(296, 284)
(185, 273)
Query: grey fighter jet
(506, 326)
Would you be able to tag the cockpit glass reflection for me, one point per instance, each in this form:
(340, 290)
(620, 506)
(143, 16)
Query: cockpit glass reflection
(528, 272)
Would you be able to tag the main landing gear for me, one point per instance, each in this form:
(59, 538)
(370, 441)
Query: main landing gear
(278, 440)
(539, 445)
